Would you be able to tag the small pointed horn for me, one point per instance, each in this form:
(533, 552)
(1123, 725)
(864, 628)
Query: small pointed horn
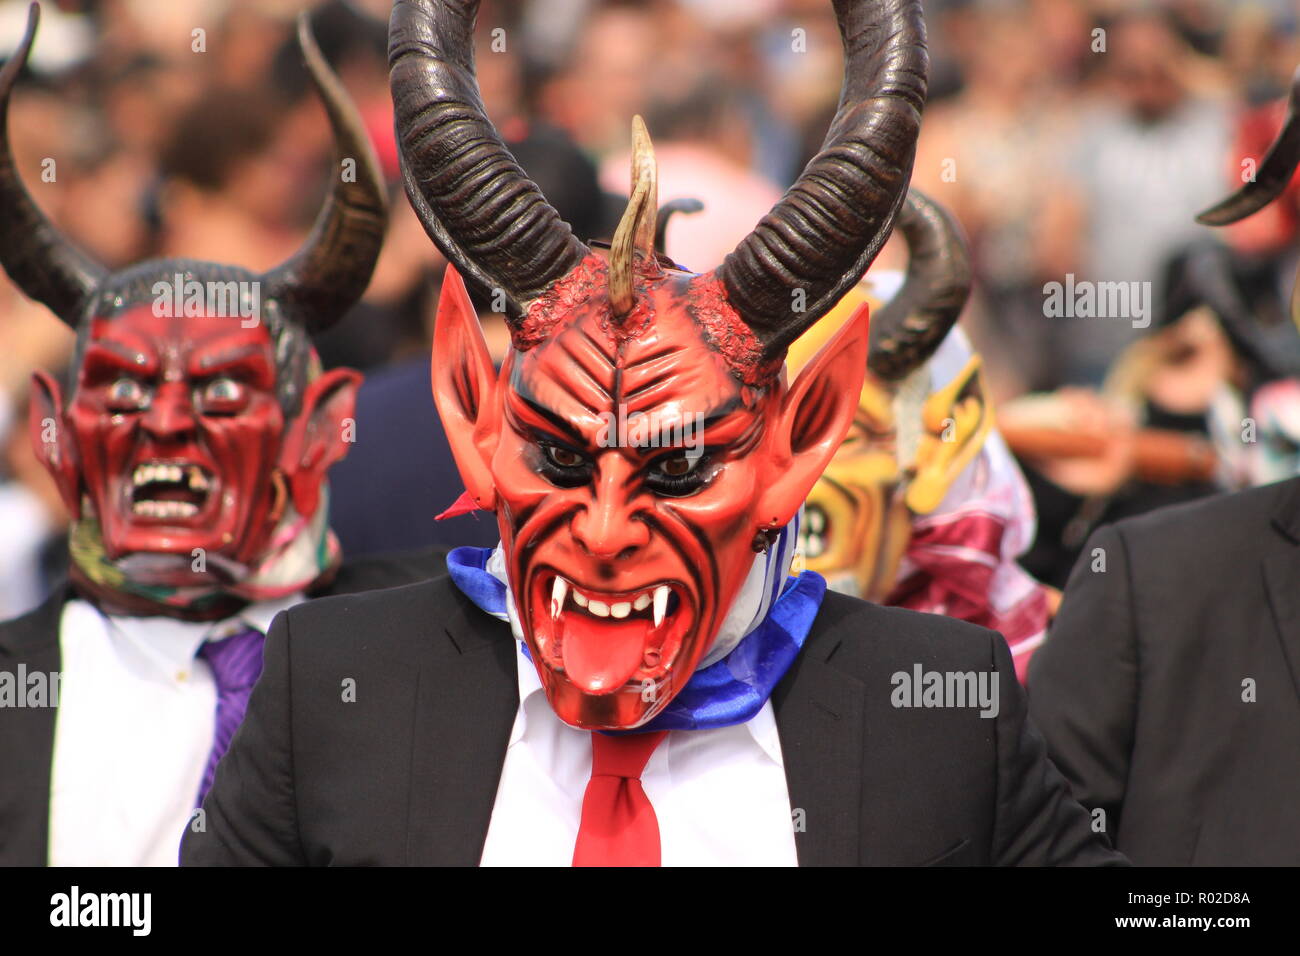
(636, 233)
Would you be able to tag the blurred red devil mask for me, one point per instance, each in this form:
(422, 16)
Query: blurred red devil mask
(197, 421)
(640, 442)
(176, 438)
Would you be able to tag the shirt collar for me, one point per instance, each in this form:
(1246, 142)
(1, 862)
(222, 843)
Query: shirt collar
(259, 614)
(173, 643)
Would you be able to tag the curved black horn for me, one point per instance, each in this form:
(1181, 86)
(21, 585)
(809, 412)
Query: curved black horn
(330, 272)
(38, 258)
(1272, 176)
(476, 203)
(821, 237)
(908, 329)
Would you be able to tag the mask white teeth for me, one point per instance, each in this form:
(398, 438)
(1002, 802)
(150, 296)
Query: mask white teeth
(559, 590)
(165, 509)
(661, 603)
(176, 474)
(562, 590)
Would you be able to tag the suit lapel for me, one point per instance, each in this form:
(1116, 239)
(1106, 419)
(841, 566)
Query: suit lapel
(820, 718)
(466, 702)
(28, 644)
(1282, 579)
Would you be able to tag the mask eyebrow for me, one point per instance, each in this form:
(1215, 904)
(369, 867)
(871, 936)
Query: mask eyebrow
(107, 355)
(684, 434)
(727, 425)
(251, 358)
(718, 417)
(536, 417)
(731, 420)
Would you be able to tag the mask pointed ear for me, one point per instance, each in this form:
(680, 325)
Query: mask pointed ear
(814, 418)
(957, 420)
(321, 435)
(52, 440)
(464, 389)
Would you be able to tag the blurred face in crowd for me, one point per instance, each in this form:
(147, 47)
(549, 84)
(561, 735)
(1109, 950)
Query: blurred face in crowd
(1007, 56)
(613, 68)
(1144, 68)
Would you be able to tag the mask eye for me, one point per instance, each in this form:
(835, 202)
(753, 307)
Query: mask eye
(223, 394)
(678, 474)
(564, 457)
(129, 395)
(563, 466)
(678, 466)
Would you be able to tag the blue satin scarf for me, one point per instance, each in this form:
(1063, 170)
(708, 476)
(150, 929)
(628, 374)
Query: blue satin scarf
(729, 691)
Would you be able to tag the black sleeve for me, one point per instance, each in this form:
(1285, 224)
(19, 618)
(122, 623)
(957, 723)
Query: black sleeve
(1037, 822)
(249, 816)
(1083, 680)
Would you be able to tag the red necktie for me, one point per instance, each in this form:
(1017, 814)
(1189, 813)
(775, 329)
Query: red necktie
(619, 827)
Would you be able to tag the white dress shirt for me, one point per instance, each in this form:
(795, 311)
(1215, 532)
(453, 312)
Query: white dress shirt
(27, 526)
(137, 710)
(720, 795)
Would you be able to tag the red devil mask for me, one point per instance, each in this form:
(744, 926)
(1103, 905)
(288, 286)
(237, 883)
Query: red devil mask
(640, 442)
(197, 419)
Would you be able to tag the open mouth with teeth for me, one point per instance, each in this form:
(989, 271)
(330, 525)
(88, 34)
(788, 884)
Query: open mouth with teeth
(169, 491)
(603, 641)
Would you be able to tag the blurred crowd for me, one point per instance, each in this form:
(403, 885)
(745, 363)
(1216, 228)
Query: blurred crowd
(1072, 138)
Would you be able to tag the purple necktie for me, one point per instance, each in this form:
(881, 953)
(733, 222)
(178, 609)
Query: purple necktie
(236, 663)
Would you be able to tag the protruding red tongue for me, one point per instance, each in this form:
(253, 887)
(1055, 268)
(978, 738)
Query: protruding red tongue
(601, 655)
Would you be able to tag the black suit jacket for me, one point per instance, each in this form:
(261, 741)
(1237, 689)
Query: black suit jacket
(27, 733)
(1142, 688)
(408, 772)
